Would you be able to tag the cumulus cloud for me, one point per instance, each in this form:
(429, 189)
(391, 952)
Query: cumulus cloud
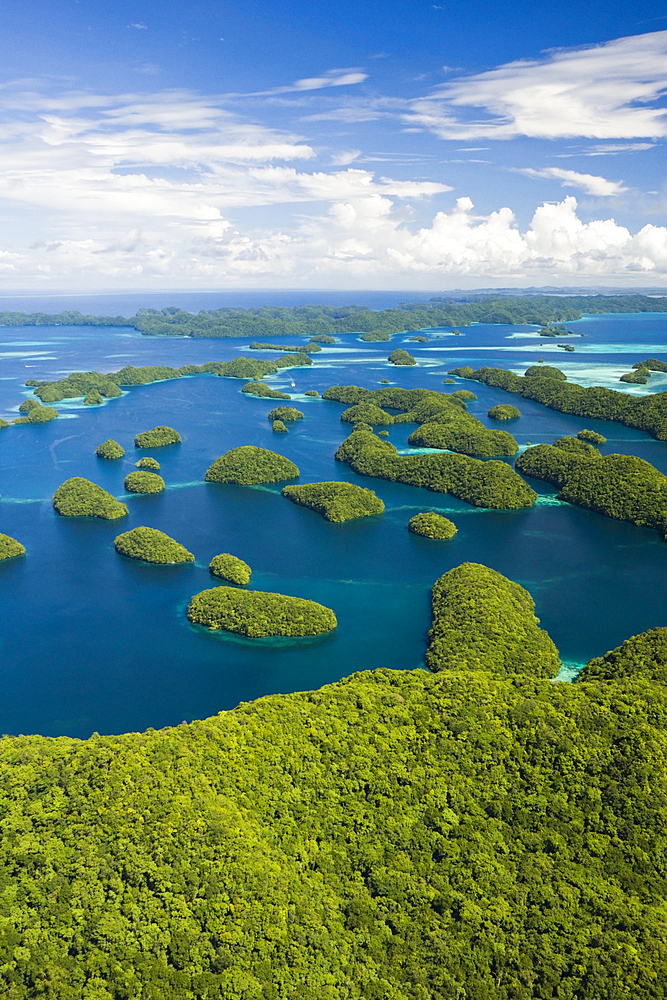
(605, 91)
(590, 183)
(361, 240)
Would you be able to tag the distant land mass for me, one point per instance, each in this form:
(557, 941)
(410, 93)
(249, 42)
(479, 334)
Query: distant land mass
(314, 320)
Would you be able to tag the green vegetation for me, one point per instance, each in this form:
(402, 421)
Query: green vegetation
(481, 832)
(230, 568)
(651, 365)
(257, 614)
(323, 338)
(79, 497)
(311, 392)
(565, 347)
(643, 657)
(449, 381)
(384, 381)
(576, 445)
(646, 413)
(10, 548)
(483, 621)
(382, 434)
(503, 411)
(262, 389)
(27, 405)
(95, 385)
(639, 377)
(367, 413)
(37, 415)
(159, 437)
(313, 348)
(151, 546)
(443, 419)
(375, 336)
(401, 357)
(144, 482)
(465, 394)
(592, 436)
(432, 525)
(3, 423)
(278, 427)
(311, 321)
(483, 484)
(285, 413)
(148, 463)
(93, 398)
(251, 466)
(110, 449)
(420, 340)
(545, 371)
(336, 501)
(619, 486)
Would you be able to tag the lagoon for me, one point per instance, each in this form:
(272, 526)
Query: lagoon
(93, 642)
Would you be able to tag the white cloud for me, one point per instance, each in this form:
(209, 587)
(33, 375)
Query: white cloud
(590, 183)
(332, 78)
(603, 92)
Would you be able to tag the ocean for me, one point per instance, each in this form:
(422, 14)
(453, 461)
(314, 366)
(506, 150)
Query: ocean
(90, 641)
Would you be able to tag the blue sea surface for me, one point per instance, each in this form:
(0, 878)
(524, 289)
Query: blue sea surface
(90, 641)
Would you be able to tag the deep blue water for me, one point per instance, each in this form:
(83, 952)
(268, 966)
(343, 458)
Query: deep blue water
(90, 641)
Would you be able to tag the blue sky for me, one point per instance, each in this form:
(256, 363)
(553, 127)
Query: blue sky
(319, 145)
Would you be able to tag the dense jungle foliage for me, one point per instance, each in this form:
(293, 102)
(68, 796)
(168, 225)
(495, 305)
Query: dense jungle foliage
(110, 449)
(10, 548)
(311, 392)
(251, 466)
(483, 484)
(151, 546)
(144, 482)
(37, 415)
(148, 463)
(504, 411)
(443, 418)
(483, 621)
(465, 394)
(278, 427)
(314, 320)
(257, 614)
(592, 436)
(93, 398)
(313, 348)
(93, 384)
(432, 525)
(262, 389)
(620, 486)
(158, 437)
(285, 413)
(78, 497)
(366, 413)
(399, 835)
(652, 365)
(401, 357)
(230, 568)
(336, 501)
(545, 371)
(646, 413)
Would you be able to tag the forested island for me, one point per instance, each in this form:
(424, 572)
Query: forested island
(110, 450)
(230, 568)
(619, 486)
(151, 545)
(258, 615)
(488, 833)
(646, 413)
(490, 484)
(443, 418)
(10, 548)
(158, 437)
(251, 466)
(432, 525)
(144, 482)
(314, 321)
(78, 497)
(336, 501)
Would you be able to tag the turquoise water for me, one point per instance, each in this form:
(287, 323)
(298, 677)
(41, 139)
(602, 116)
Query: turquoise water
(93, 642)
